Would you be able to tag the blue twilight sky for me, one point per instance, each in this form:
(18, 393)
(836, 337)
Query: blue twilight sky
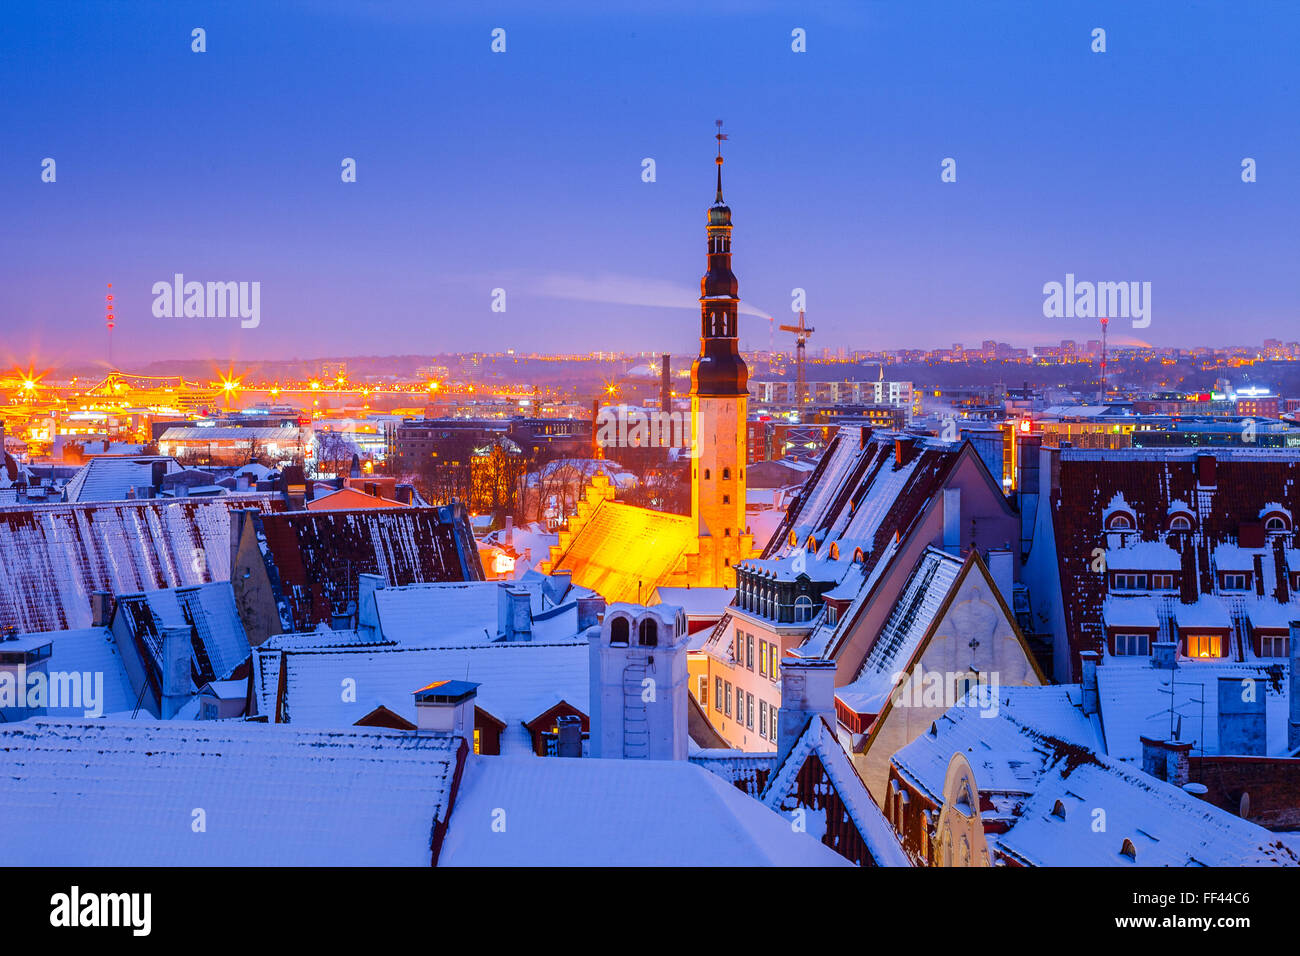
(522, 170)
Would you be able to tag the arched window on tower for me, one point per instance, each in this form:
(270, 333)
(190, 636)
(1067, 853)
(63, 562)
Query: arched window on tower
(706, 474)
(618, 631)
(649, 633)
(803, 608)
(726, 474)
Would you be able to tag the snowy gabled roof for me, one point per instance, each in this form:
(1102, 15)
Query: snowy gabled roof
(314, 558)
(208, 608)
(108, 478)
(108, 793)
(1207, 611)
(909, 621)
(818, 740)
(1008, 749)
(594, 812)
(53, 557)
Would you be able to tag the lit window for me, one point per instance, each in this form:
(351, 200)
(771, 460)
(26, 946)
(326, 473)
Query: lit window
(478, 741)
(762, 658)
(1204, 645)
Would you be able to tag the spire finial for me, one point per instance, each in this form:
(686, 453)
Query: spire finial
(719, 136)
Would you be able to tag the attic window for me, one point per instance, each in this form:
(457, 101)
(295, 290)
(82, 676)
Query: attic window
(1128, 849)
(1276, 523)
(835, 550)
(1120, 521)
(1180, 523)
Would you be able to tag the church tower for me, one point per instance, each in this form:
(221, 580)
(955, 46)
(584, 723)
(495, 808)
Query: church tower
(719, 410)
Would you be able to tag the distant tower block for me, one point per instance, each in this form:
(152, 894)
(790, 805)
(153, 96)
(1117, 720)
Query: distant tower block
(639, 683)
(665, 383)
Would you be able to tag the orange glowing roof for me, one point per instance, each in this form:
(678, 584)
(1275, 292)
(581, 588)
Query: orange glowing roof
(623, 552)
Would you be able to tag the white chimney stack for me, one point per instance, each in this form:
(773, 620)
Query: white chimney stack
(446, 706)
(807, 691)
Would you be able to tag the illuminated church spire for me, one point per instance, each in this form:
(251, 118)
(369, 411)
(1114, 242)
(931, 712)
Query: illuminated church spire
(719, 406)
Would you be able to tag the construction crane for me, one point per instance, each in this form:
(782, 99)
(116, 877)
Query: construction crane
(801, 334)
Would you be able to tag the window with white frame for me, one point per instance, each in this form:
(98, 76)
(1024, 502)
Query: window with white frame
(1132, 645)
(803, 608)
(1130, 581)
(1274, 645)
(1236, 580)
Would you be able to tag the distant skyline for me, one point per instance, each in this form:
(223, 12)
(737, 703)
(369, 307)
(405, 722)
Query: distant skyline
(522, 171)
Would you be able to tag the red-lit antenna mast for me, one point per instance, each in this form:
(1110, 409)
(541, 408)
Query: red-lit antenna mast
(1104, 322)
(109, 321)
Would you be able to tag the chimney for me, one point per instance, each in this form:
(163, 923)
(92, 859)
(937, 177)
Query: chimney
(1164, 655)
(952, 520)
(590, 610)
(157, 469)
(903, 450)
(1002, 571)
(1293, 722)
(1243, 730)
(341, 616)
(508, 534)
(595, 429)
(177, 680)
(242, 482)
(864, 435)
(1091, 700)
(404, 493)
(569, 739)
(446, 706)
(665, 385)
(1206, 471)
(101, 608)
(514, 613)
(807, 691)
(1168, 760)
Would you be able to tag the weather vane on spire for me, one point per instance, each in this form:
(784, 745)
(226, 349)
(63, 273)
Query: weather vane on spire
(720, 136)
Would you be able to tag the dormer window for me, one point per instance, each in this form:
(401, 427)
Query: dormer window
(1129, 581)
(1120, 521)
(1276, 524)
(803, 608)
(1235, 581)
(1180, 523)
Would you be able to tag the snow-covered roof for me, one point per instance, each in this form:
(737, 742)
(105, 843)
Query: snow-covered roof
(518, 680)
(1136, 612)
(1165, 825)
(460, 612)
(108, 793)
(696, 602)
(108, 478)
(53, 557)
(90, 650)
(1135, 701)
(210, 608)
(818, 740)
(1142, 556)
(1206, 612)
(592, 812)
(912, 615)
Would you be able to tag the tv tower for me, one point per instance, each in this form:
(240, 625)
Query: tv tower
(1104, 322)
(109, 321)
